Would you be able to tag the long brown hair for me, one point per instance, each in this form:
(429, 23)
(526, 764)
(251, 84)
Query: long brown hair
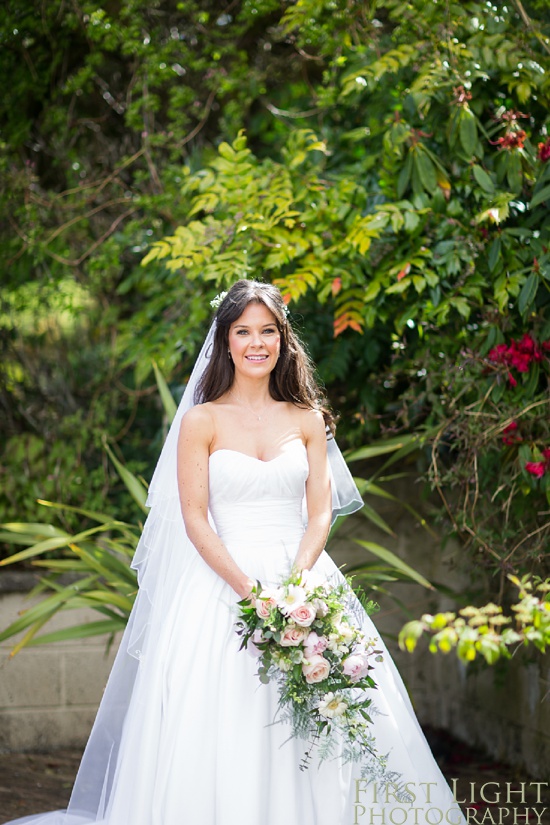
(292, 379)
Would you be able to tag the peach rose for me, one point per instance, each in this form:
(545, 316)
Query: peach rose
(292, 636)
(315, 669)
(304, 615)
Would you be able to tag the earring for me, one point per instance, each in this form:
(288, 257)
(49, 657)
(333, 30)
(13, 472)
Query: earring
(229, 353)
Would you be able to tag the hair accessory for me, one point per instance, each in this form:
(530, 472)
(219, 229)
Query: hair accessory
(215, 302)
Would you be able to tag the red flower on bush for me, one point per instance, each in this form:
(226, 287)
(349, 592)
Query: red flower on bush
(519, 354)
(539, 468)
(511, 434)
(511, 140)
(543, 153)
(536, 468)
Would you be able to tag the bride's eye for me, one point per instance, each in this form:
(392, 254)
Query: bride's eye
(266, 331)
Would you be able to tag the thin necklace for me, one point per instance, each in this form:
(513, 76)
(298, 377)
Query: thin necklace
(244, 404)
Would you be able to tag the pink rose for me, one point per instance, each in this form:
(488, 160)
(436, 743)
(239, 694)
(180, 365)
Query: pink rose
(264, 607)
(315, 669)
(314, 644)
(356, 666)
(292, 636)
(304, 615)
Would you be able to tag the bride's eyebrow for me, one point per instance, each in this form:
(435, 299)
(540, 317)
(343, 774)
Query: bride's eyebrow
(263, 326)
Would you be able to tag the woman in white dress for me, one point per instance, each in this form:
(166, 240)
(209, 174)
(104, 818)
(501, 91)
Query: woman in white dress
(246, 488)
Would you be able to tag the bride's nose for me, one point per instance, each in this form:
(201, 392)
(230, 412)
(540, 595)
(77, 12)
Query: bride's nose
(256, 339)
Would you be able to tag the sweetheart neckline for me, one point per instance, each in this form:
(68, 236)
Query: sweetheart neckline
(254, 457)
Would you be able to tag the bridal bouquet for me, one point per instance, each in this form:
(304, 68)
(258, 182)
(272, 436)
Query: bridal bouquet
(304, 637)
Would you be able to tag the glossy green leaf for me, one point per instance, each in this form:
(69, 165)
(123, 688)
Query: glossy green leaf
(135, 487)
(426, 171)
(389, 557)
(528, 292)
(371, 514)
(483, 179)
(540, 196)
(82, 631)
(381, 448)
(467, 130)
(168, 402)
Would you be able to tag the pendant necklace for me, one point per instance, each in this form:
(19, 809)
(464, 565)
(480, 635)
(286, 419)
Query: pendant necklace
(243, 404)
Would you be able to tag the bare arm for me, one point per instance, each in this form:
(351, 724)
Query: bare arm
(194, 441)
(318, 495)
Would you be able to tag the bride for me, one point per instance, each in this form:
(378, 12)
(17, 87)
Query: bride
(246, 488)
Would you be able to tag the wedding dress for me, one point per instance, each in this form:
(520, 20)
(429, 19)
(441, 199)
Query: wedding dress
(200, 743)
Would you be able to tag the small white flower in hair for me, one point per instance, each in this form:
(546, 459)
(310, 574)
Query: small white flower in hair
(215, 302)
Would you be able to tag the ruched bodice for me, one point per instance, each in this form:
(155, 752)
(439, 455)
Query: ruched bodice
(252, 501)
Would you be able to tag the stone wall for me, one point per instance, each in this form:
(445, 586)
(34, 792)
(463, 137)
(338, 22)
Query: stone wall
(48, 694)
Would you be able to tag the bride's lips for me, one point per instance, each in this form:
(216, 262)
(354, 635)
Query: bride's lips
(257, 358)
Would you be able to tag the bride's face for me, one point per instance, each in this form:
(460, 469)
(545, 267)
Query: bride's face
(254, 341)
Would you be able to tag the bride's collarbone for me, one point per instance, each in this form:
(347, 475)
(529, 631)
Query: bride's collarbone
(239, 429)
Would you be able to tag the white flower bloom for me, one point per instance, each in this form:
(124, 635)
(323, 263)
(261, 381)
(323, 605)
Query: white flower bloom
(346, 632)
(215, 302)
(332, 705)
(274, 593)
(311, 579)
(291, 598)
(321, 608)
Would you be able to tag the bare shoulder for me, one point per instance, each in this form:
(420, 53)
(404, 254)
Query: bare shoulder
(312, 425)
(197, 425)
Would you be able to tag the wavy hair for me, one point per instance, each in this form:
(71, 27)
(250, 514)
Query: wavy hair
(292, 379)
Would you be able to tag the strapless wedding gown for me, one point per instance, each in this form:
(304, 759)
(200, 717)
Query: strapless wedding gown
(200, 744)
